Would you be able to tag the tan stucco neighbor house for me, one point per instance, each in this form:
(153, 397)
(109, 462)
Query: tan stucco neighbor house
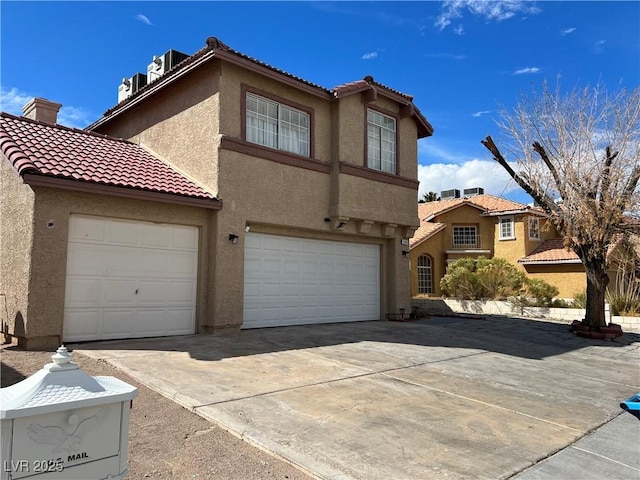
(221, 193)
(485, 225)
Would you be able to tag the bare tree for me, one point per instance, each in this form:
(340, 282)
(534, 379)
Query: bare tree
(578, 156)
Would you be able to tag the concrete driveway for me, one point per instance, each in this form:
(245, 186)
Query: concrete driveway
(453, 398)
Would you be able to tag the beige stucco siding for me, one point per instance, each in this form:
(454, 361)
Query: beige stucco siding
(179, 124)
(16, 246)
(53, 209)
(570, 279)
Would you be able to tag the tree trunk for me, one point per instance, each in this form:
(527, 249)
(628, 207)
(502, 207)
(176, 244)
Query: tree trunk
(597, 281)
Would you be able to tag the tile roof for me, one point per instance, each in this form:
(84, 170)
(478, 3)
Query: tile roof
(486, 204)
(551, 251)
(214, 45)
(68, 153)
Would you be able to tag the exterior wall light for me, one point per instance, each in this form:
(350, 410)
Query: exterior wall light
(233, 238)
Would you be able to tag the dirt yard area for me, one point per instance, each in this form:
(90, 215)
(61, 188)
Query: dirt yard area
(165, 439)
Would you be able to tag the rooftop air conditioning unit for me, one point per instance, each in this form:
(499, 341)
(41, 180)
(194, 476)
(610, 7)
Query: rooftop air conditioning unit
(449, 194)
(470, 192)
(129, 86)
(163, 63)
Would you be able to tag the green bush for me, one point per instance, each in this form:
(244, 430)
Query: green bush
(483, 278)
(541, 292)
(580, 300)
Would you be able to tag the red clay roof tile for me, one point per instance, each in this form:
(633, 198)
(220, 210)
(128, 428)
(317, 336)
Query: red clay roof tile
(58, 151)
(551, 251)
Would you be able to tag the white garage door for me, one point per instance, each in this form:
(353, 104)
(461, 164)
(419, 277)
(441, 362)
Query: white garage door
(297, 281)
(129, 279)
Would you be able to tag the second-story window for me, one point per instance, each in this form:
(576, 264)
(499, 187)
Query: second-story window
(465, 237)
(278, 126)
(381, 142)
(534, 228)
(507, 231)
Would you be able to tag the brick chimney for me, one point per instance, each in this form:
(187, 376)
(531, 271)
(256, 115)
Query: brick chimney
(42, 109)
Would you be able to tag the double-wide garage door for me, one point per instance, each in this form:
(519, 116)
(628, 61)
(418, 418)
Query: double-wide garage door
(297, 281)
(129, 279)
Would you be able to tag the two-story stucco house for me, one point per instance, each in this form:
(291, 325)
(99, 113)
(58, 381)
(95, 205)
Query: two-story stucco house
(485, 225)
(221, 194)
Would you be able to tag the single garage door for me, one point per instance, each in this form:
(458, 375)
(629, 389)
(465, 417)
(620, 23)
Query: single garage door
(297, 281)
(129, 279)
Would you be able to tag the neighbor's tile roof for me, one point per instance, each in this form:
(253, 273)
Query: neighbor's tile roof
(550, 251)
(486, 204)
(62, 152)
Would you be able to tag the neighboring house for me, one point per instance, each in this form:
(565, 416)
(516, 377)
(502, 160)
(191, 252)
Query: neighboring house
(242, 197)
(485, 225)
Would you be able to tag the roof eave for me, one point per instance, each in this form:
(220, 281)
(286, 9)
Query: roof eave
(38, 180)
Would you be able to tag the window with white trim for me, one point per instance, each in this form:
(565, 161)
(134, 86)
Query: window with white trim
(381, 142)
(534, 228)
(425, 278)
(507, 231)
(465, 237)
(278, 126)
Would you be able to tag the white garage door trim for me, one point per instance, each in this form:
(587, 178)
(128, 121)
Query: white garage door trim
(129, 279)
(299, 281)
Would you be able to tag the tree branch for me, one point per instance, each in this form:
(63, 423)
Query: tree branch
(552, 168)
(547, 204)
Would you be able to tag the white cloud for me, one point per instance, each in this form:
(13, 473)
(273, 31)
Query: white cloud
(12, 101)
(473, 173)
(568, 31)
(598, 47)
(459, 30)
(370, 56)
(497, 10)
(451, 56)
(480, 113)
(526, 70)
(143, 18)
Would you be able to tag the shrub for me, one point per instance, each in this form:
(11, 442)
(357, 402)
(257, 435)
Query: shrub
(541, 292)
(580, 300)
(483, 278)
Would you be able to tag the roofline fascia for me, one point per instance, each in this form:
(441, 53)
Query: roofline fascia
(439, 229)
(550, 262)
(508, 212)
(269, 72)
(36, 180)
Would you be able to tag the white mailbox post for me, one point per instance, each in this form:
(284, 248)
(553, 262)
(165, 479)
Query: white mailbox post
(62, 423)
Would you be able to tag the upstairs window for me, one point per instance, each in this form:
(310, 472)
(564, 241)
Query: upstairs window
(278, 126)
(507, 231)
(381, 142)
(534, 228)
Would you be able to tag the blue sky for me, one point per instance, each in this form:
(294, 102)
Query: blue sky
(461, 60)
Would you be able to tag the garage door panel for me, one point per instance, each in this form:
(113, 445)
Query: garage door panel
(120, 233)
(83, 292)
(120, 261)
(132, 278)
(182, 292)
(182, 264)
(294, 281)
(86, 259)
(82, 324)
(87, 229)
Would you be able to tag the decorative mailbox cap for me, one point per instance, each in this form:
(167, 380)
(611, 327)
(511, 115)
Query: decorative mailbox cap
(61, 385)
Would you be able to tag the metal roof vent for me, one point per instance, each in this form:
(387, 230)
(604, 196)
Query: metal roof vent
(449, 194)
(470, 192)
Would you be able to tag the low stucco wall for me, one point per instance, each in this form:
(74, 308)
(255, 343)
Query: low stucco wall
(443, 306)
